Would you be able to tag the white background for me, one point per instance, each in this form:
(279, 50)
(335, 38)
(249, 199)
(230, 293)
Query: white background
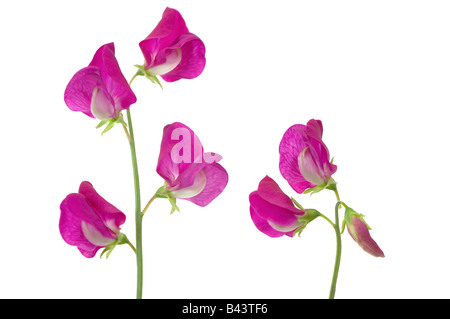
(377, 73)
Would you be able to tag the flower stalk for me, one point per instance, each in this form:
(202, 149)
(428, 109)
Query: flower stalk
(138, 215)
(338, 251)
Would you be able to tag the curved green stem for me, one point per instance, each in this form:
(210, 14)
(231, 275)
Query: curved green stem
(131, 245)
(148, 204)
(137, 192)
(327, 219)
(338, 249)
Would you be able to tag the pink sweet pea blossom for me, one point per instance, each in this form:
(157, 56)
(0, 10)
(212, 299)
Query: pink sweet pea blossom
(88, 221)
(304, 158)
(171, 51)
(100, 90)
(274, 213)
(189, 172)
(359, 231)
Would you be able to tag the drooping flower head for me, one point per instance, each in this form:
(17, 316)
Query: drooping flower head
(189, 172)
(359, 231)
(274, 213)
(88, 221)
(100, 90)
(171, 51)
(304, 157)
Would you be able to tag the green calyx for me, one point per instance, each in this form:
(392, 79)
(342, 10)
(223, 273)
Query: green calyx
(309, 216)
(349, 213)
(121, 239)
(110, 123)
(162, 192)
(331, 185)
(142, 71)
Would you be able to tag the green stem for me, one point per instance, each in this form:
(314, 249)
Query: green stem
(338, 250)
(327, 219)
(148, 204)
(137, 193)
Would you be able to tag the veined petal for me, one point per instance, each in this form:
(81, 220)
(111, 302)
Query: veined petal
(75, 210)
(109, 214)
(192, 62)
(314, 129)
(180, 148)
(292, 144)
(116, 85)
(216, 181)
(78, 93)
(269, 190)
(169, 28)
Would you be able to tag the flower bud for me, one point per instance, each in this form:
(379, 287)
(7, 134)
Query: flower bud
(359, 231)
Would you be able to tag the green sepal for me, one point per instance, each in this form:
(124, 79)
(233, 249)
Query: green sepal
(173, 202)
(121, 239)
(163, 193)
(297, 203)
(110, 123)
(310, 215)
(142, 71)
(331, 185)
(350, 212)
(315, 189)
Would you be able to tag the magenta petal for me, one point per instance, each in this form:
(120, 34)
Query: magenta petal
(291, 145)
(169, 28)
(192, 61)
(271, 212)
(180, 148)
(190, 173)
(171, 51)
(109, 214)
(216, 180)
(263, 226)
(314, 129)
(115, 82)
(100, 90)
(304, 158)
(76, 216)
(78, 93)
(269, 191)
(359, 231)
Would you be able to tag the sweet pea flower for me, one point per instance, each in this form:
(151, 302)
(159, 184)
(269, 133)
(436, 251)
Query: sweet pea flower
(188, 171)
(171, 51)
(274, 213)
(100, 90)
(304, 158)
(359, 231)
(88, 221)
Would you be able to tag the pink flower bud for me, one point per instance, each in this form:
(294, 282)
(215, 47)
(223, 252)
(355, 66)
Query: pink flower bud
(359, 231)
(304, 158)
(171, 51)
(88, 221)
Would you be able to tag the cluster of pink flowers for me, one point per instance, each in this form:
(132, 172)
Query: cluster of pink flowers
(305, 164)
(172, 52)
(101, 91)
